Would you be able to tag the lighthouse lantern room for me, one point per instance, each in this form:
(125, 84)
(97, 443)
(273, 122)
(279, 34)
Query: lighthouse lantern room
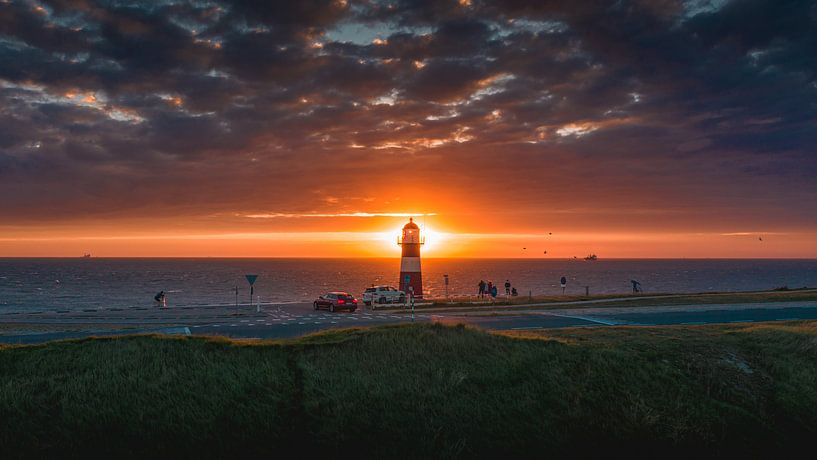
(411, 277)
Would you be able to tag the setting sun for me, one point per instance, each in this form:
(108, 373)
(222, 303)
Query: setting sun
(431, 238)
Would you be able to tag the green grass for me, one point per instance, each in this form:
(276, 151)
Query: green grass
(626, 300)
(417, 391)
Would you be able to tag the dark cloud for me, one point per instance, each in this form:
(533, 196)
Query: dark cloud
(115, 108)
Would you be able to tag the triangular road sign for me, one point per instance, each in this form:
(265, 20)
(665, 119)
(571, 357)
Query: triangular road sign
(251, 279)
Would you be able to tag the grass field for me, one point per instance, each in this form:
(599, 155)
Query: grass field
(622, 300)
(418, 391)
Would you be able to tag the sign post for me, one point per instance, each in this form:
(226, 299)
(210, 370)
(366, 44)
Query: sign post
(411, 291)
(446, 286)
(251, 279)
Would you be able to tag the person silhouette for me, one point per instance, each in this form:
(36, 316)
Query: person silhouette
(161, 299)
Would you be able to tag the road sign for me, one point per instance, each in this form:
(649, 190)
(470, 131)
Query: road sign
(407, 278)
(251, 279)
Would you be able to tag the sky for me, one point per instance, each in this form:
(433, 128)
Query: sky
(644, 128)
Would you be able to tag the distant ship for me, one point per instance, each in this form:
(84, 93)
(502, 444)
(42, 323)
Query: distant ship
(86, 256)
(591, 257)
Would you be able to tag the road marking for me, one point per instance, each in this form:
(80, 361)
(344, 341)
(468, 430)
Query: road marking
(693, 322)
(526, 328)
(586, 318)
(301, 323)
(788, 319)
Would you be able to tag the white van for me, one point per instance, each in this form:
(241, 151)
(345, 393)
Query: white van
(383, 294)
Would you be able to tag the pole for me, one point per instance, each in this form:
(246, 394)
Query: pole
(411, 300)
(251, 279)
(236, 296)
(258, 305)
(587, 291)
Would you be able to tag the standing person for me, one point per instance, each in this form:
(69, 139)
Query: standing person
(493, 292)
(160, 299)
(507, 287)
(490, 287)
(636, 286)
(481, 289)
(563, 283)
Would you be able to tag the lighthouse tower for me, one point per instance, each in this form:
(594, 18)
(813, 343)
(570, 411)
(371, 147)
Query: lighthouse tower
(410, 273)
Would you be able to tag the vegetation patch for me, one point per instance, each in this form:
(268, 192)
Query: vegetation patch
(418, 391)
(620, 300)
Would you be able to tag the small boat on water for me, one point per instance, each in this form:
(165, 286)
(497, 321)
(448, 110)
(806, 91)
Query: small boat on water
(591, 257)
(86, 256)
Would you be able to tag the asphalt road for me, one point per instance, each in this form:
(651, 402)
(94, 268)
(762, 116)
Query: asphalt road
(298, 319)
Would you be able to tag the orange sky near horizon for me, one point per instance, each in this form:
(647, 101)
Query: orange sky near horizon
(374, 236)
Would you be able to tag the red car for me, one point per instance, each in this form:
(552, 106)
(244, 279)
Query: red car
(336, 301)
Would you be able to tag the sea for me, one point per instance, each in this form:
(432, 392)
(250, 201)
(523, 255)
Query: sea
(104, 283)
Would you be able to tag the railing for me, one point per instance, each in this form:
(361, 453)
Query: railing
(400, 241)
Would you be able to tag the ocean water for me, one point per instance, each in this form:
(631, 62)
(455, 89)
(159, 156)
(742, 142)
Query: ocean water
(44, 284)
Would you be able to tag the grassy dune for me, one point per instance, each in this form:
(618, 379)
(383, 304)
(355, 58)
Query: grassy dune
(417, 391)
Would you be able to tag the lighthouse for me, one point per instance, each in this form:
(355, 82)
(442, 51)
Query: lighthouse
(411, 277)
